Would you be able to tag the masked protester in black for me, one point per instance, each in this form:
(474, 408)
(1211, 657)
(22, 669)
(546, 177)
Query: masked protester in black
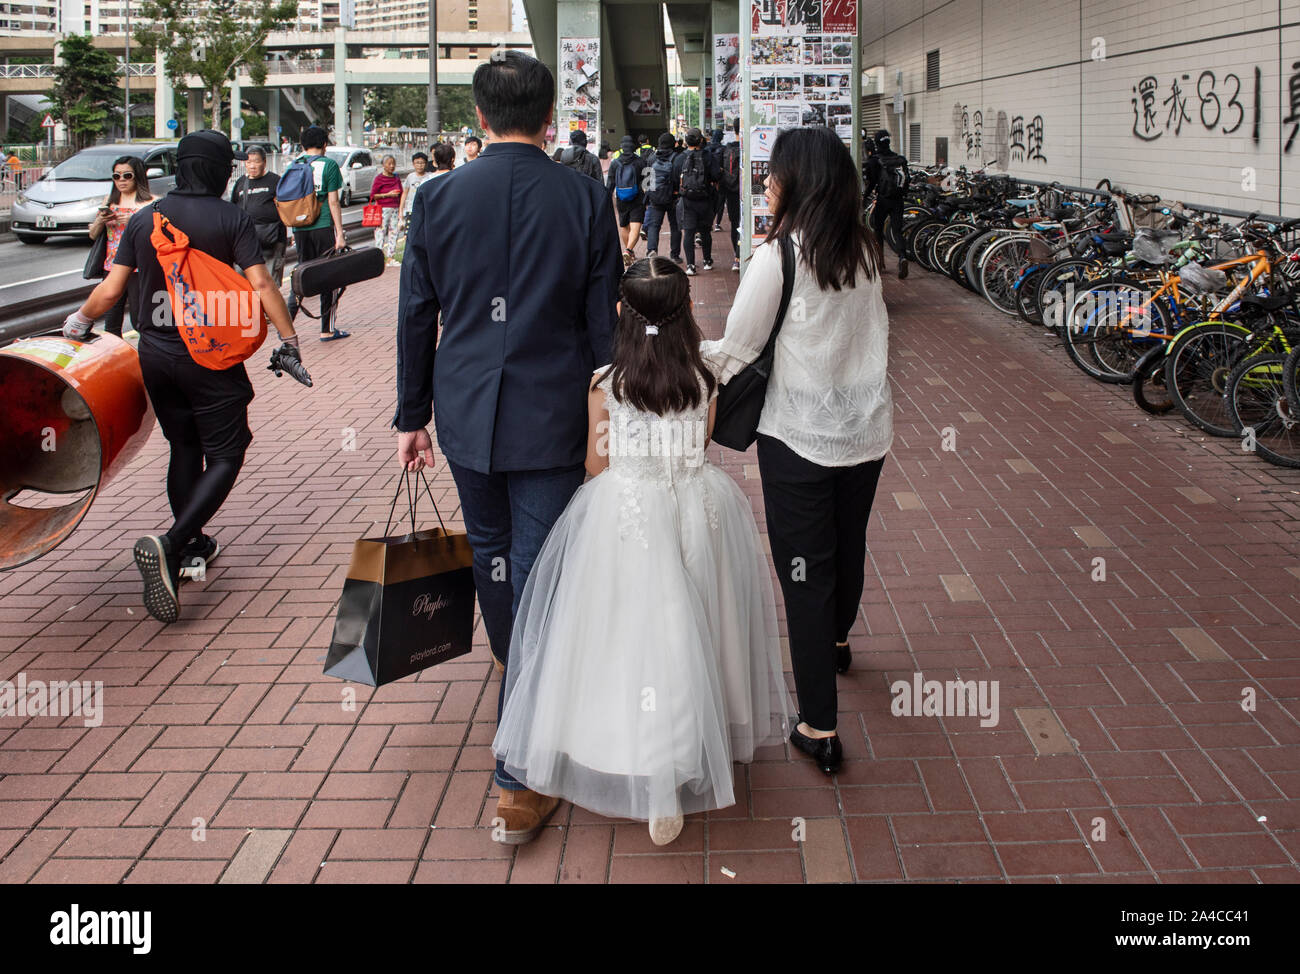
(203, 412)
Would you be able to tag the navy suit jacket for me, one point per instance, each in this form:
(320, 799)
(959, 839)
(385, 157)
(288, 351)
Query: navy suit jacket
(521, 258)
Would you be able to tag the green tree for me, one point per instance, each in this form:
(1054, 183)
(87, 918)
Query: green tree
(212, 39)
(85, 92)
(398, 105)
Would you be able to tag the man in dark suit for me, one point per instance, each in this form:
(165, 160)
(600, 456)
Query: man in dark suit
(521, 259)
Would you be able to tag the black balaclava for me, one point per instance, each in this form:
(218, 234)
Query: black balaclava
(203, 163)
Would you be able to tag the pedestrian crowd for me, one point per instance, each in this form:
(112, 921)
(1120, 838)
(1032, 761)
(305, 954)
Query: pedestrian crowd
(610, 557)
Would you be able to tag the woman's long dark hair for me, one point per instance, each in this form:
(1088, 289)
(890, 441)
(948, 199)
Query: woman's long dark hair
(820, 198)
(141, 180)
(658, 373)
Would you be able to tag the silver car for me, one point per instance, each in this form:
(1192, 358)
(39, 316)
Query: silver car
(63, 202)
(359, 172)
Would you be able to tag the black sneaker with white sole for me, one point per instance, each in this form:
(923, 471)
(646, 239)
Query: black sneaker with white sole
(197, 556)
(160, 569)
(708, 265)
(690, 270)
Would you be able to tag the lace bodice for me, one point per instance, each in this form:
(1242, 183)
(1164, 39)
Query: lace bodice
(656, 449)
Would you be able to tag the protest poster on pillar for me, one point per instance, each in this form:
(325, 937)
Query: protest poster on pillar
(726, 71)
(800, 61)
(578, 104)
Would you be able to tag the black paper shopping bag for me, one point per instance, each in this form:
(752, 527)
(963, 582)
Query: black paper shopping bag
(407, 603)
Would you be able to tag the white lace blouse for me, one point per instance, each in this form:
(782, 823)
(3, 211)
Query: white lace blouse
(828, 399)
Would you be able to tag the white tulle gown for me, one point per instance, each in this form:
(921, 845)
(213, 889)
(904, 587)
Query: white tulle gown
(645, 656)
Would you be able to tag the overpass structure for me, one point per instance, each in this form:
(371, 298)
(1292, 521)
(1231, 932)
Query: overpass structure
(348, 61)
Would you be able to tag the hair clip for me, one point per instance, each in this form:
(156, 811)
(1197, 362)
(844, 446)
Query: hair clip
(652, 329)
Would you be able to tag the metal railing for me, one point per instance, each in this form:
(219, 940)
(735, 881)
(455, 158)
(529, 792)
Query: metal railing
(27, 70)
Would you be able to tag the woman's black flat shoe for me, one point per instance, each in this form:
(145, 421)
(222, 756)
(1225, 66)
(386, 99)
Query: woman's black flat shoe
(826, 751)
(843, 657)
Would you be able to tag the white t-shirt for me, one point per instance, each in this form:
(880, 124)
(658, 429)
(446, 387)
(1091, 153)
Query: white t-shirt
(413, 182)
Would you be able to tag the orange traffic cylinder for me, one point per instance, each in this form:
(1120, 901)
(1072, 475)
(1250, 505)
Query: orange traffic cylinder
(77, 414)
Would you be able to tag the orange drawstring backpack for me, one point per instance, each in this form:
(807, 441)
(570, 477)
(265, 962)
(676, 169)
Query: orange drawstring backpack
(216, 310)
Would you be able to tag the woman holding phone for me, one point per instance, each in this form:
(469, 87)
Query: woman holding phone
(130, 190)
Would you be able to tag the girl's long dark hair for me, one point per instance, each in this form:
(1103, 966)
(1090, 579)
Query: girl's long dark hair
(658, 373)
(141, 180)
(820, 198)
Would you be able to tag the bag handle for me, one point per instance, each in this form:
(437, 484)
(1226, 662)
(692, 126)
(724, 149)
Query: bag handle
(412, 500)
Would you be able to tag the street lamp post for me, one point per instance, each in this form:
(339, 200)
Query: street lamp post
(433, 122)
(126, 75)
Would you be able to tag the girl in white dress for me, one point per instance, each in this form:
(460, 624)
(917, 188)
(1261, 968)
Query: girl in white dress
(645, 656)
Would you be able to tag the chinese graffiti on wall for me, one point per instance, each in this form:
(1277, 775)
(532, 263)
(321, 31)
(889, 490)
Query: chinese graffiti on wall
(1213, 102)
(997, 138)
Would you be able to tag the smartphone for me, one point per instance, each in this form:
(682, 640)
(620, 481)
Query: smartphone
(105, 209)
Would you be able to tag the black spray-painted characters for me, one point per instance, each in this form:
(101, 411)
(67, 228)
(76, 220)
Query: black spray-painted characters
(1219, 99)
(1293, 117)
(1010, 140)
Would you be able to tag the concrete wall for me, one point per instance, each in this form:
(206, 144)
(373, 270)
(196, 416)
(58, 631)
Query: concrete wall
(1079, 66)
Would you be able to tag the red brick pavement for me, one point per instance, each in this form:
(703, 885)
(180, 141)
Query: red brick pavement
(1123, 752)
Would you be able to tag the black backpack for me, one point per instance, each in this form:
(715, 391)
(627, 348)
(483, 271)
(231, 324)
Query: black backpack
(695, 176)
(661, 188)
(894, 177)
(731, 167)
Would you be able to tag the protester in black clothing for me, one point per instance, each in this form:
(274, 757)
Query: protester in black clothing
(730, 165)
(886, 175)
(254, 193)
(715, 150)
(661, 201)
(626, 180)
(577, 156)
(203, 412)
(695, 175)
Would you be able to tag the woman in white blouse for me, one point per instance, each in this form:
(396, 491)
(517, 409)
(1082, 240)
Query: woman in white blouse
(827, 420)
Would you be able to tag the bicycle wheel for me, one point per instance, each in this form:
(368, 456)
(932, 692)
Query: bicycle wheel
(921, 240)
(976, 252)
(1056, 290)
(1000, 270)
(1291, 380)
(957, 260)
(1088, 327)
(944, 241)
(1149, 390)
(1125, 326)
(1197, 369)
(1027, 295)
(1261, 411)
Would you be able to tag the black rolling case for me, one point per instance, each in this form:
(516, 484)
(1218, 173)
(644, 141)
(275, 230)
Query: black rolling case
(335, 270)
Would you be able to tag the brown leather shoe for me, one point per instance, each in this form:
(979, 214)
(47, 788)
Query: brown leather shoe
(523, 813)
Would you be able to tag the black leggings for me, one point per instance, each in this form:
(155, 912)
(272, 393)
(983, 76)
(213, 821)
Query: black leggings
(817, 522)
(204, 415)
(195, 493)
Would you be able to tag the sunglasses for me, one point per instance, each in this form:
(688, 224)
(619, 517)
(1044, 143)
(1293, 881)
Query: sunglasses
(123, 176)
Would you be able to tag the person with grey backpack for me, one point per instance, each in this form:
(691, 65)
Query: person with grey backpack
(577, 156)
(661, 201)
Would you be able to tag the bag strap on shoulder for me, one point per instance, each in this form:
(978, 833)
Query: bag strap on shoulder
(787, 289)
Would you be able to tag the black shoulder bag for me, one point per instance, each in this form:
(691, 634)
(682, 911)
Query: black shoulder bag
(740, 401)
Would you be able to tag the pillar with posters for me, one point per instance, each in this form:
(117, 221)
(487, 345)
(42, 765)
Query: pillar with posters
(577, 102)
(801, 69)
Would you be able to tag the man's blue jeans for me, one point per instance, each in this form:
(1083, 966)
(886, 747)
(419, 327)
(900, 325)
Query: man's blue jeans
(507, 517)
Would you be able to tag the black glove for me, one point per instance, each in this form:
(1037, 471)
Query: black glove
(286, 358)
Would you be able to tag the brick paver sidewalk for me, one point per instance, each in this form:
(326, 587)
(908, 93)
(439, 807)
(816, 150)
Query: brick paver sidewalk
(1123, 751)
